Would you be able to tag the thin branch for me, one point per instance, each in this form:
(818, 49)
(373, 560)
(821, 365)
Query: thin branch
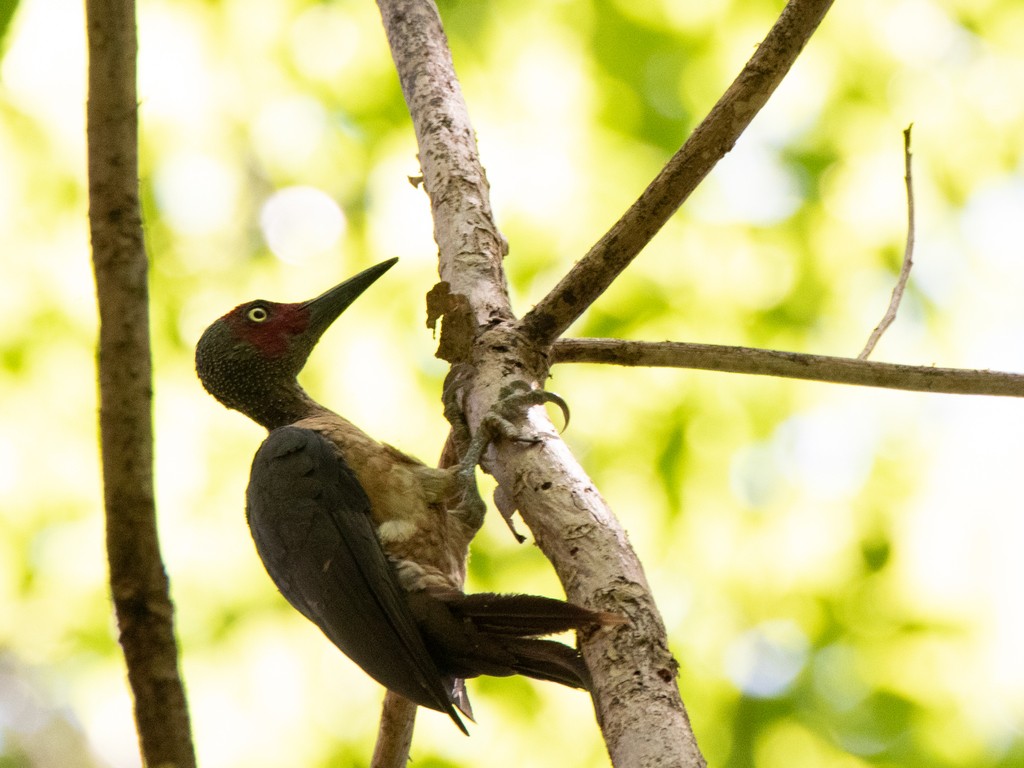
(908, 257)
(793, 365)
(138, 583)
(708, 144)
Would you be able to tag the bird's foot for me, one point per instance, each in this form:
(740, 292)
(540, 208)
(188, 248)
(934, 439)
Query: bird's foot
(497, 424)
(512, 403)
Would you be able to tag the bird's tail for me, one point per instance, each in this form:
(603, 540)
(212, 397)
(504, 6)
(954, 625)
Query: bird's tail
(548, 660)
(511, 625)
(526, 615)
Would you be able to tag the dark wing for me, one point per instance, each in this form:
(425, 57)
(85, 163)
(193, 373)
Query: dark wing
(310, 519)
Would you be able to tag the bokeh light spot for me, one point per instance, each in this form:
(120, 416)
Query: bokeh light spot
(764, 661)
(301, 222)
(197, 192)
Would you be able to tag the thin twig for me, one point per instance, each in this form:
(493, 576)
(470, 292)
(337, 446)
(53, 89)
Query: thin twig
(793, 365)
(138, 583)
(708, 144)
(908, 257)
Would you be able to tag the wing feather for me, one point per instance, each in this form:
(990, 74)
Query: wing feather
(310, 519)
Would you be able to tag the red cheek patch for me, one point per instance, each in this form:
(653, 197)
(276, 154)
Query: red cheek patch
(274, 335)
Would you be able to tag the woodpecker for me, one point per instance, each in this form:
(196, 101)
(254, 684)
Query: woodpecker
(365, 541)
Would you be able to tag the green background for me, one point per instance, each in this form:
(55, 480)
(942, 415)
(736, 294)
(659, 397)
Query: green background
(839, 569)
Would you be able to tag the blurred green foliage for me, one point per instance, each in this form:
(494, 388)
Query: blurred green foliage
(839, 569)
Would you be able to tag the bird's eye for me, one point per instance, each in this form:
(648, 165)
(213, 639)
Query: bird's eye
(257, 314)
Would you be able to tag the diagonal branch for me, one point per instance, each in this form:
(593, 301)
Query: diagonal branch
(708, 144)
(138, 582)
(793, 365)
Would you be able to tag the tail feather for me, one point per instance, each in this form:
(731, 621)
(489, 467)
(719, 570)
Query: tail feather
(460, 697)
(525, 615)
(499, 635)
(548, 660)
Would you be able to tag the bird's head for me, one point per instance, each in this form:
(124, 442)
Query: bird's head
(249, 359)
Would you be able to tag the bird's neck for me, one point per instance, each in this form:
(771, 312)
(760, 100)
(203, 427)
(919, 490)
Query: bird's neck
(281, 405)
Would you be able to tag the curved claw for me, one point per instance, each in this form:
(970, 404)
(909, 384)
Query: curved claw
(551, 397)
(525, 397)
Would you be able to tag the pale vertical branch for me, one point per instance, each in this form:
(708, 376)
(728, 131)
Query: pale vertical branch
(635, 693)
(457, 188)
(471, 247)
(636, 697)
(138, 583)
(908, 257)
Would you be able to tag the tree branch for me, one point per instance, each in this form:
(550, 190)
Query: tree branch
(471, 246)
(908, 257)
(635, 693)
(394, 737)
(793, 365)
(463, 224)
(708, 144)
(138, 582)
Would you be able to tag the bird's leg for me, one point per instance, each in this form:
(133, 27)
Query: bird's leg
(471, 509)
(454, 412)
(496, 424)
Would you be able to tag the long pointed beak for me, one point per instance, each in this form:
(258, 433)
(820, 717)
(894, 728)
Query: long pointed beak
(325, 308)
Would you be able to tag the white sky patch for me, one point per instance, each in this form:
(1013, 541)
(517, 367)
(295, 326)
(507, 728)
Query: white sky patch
(176, 74)
(829, 451)
(750, 184)
(754, 474)
(865, 191)
(325, 42)
(993, 222)
(399, 215)
(542, 173)
(764, 661)
(10, 465)
(44, 69)
(539, 169)
(290, 131)
(920, 33)
(300, 223)
(197, 193)
(988, 306)
(549, 81)
(964, 533)
(962, 540)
